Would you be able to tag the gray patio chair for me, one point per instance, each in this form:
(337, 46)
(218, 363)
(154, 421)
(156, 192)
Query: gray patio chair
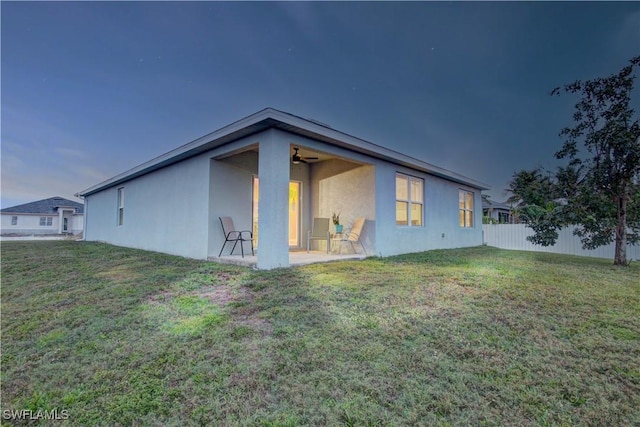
(320, 231)
(232, 235)
(354, 235)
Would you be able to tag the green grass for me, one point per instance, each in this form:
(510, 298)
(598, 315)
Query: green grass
(477, 336)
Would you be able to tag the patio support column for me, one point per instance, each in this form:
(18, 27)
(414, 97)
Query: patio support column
(273, 212)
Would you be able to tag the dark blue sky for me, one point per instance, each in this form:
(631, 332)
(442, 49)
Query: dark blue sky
(90, 90)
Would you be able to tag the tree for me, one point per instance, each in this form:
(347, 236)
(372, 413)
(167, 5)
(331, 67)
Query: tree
(530, 187)
(599, 189)
(534, 193)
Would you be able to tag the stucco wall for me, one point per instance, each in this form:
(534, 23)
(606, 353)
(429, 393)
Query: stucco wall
(77, 223)
(165, 211)
(30, 224)
(348, 189)
(441, 228)
(230, 194)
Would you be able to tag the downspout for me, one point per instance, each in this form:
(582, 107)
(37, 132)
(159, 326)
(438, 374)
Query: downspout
(60, 217)
(84, 216)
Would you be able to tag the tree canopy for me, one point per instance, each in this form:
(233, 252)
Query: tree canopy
(598, 190)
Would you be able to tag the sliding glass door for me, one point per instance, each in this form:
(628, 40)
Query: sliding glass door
(295, 191)
(294, 214)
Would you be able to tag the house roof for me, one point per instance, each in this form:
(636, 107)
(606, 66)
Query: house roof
(486, 204)
(46, 206)
(272, 118)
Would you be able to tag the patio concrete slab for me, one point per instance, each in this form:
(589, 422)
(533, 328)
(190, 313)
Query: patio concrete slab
(295, 258)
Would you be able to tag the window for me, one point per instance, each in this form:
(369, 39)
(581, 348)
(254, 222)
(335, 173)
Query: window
(14, 220)
(503, 218)
(465, 215)
(121, 206)
(409, 200)
(46, 221)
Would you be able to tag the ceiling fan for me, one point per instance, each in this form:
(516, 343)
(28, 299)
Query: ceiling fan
(296, 159)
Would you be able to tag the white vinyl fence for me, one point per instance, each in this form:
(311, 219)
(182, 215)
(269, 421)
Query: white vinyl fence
(514, 236)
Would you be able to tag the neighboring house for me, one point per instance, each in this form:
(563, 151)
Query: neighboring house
(251, 171)
(55, 215)
(502, 213)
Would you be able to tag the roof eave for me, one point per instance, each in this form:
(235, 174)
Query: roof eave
(270, 117)
(374, 150)
(183, 152)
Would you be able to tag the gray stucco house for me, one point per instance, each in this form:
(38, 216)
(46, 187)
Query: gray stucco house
(55, 215)
(251, 171)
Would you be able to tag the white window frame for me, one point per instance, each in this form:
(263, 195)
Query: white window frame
(464, 209)
(120, 202)
(46, 221)
(14, 220)
(410, 179)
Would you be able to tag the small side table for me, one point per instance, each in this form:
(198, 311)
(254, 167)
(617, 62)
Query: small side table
(340, 238)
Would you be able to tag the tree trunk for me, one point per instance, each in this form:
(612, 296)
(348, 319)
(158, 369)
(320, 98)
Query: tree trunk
(620, 257)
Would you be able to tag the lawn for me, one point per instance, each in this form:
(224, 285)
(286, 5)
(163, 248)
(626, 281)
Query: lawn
(478, 336)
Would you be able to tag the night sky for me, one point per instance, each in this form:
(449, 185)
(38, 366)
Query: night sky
(90, 90)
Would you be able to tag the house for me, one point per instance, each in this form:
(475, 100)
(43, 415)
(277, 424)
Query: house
(55, 215)
(501, 213)
(273, 172)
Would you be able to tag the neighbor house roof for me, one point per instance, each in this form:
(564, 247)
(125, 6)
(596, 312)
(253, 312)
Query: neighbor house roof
(46, 206)
(486, 204)
(272, 118)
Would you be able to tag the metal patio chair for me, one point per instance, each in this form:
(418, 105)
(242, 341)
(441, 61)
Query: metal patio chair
(233, 235)
(354, 235)
(320, 231)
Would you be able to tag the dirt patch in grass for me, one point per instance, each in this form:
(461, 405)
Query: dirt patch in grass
(236, 301)
(239, 299)
(222, 295)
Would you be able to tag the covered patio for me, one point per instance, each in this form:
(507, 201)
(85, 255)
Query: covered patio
(275, 185)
